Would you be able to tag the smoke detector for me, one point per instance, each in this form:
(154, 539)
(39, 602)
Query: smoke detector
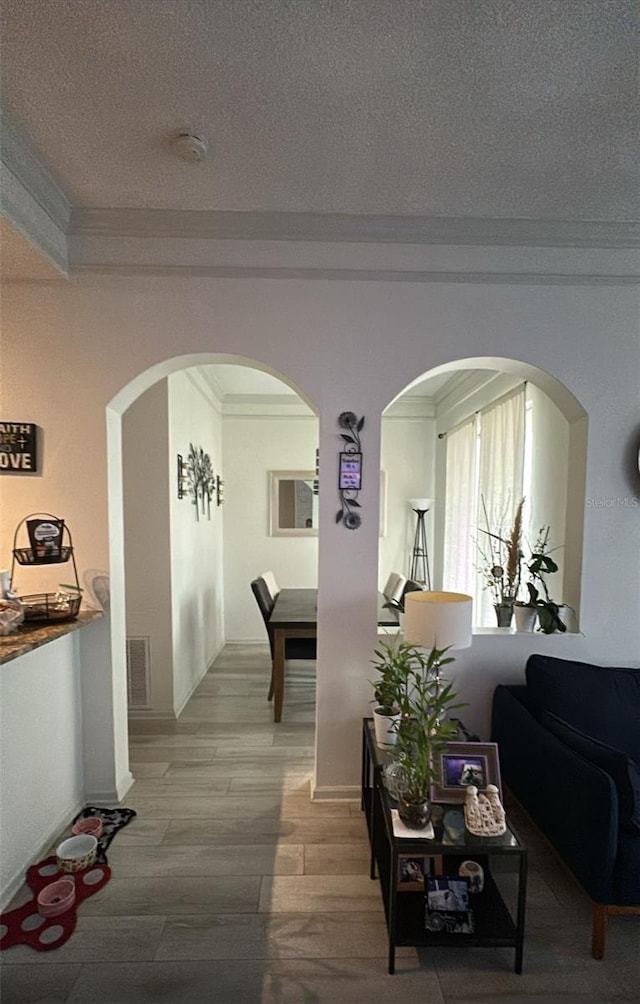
(190, 147)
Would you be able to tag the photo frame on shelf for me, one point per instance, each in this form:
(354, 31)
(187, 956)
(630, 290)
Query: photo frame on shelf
(412, 872)
(463, 764)
(447, 905)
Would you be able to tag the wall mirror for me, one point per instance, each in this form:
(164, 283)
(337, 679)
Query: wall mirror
(293, 503)
(293, 510)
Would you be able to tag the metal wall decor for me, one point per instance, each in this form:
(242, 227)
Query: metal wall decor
(219, 490)
(350, 470)
(198, 477)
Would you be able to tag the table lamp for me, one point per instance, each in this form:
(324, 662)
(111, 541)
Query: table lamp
(437, 620)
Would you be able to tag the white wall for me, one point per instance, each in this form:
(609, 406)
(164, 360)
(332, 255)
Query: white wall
(253, 445)
(173, 560)
(547, 504)
(332, 341)
(197, 594)
(408, 457)
(41, 754)
(145, 471)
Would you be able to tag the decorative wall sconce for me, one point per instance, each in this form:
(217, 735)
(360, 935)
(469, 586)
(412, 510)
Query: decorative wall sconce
(350, 470)
(182, 476)
(219, 490)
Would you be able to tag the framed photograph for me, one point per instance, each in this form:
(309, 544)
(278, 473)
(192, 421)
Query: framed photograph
(462, 764)
(447, 905)
(413, 869)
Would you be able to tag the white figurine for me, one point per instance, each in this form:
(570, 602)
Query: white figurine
(483, 814)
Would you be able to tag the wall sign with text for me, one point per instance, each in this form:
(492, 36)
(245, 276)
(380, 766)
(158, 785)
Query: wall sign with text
(18, 453)
(350, 470)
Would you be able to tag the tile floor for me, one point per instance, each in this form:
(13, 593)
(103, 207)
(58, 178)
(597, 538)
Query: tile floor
(231, 887)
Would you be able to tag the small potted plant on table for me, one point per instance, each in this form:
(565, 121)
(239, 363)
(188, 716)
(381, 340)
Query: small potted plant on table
(422, 730)
(393, 662)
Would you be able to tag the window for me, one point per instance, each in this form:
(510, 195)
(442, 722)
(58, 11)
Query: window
(485, 480)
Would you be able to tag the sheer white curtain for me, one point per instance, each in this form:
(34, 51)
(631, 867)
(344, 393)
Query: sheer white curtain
(500, 482)
(459, 573)
(484, 470)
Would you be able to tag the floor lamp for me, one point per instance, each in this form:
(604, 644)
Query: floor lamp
(437, 620)
(419, 571)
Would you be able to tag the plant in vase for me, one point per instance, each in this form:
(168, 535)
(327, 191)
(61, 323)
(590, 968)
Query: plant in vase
(539, 565)
(422, 732)
(501, 566)
(394, 665)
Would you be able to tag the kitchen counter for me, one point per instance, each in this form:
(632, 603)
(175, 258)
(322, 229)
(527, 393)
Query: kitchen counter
(33, 635)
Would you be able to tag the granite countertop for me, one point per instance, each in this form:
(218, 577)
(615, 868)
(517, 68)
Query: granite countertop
(34, 635)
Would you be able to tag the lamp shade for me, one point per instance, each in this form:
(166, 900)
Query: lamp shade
(421, 505)
(437, 620)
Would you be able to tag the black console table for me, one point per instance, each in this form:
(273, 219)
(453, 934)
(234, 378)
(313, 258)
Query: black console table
(495, 924)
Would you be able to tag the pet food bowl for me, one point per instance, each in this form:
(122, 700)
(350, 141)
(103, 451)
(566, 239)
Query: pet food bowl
(56, 898)
(77, 853)
(90, 824)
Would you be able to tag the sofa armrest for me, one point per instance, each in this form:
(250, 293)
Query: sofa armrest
(573, 802)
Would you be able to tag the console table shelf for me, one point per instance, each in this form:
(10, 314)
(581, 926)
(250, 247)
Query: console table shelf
(495, 925)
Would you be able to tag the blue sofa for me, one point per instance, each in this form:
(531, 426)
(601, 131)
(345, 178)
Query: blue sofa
(569, 742)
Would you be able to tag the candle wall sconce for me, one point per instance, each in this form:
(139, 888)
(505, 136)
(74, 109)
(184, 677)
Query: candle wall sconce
(182, 476)
(350, 470)
(219, 490)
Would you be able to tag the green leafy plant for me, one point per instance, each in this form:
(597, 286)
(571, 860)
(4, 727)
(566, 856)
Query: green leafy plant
(539, 565)
(423, 730)
(395, 664)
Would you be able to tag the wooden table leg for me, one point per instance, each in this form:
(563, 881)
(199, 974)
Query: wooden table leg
(279, 639)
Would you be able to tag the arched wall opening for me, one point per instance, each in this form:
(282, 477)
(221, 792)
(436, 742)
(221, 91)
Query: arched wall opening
(413, 449)
(169, 553)
(414, 442)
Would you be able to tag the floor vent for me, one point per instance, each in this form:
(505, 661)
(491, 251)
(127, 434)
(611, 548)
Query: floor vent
(138, 670)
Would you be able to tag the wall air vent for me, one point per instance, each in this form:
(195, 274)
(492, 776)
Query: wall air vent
(138, 673)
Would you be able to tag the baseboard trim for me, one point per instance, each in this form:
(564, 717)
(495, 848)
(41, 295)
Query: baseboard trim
(339, 793)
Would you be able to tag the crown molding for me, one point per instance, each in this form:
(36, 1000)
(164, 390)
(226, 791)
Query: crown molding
(364, 275)
(353, 228)
(30, 220)
(17, 156)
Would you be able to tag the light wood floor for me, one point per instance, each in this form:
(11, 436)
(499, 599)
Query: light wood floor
(231, 887)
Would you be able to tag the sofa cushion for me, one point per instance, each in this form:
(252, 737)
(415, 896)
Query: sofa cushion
(602, 702)
(620, 767)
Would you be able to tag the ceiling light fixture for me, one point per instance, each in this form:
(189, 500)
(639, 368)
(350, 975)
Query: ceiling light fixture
(190, 147)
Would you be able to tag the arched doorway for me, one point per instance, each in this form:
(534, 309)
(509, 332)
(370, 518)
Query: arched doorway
(166, 553)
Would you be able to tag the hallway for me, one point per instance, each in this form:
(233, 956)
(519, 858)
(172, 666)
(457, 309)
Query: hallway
(231, 887)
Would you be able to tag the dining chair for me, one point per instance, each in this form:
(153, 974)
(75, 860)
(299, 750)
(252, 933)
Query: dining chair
(295, 648)
(390, 585)
(394, 599)
(271, 584)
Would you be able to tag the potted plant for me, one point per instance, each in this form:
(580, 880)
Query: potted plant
(422, 731)
(540, 565)
(502, 565)
(393, 662)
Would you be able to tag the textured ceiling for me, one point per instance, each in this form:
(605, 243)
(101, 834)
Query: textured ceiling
(20, 260)
(485, 108)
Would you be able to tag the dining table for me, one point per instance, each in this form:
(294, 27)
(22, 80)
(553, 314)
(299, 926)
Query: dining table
(295, 615)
